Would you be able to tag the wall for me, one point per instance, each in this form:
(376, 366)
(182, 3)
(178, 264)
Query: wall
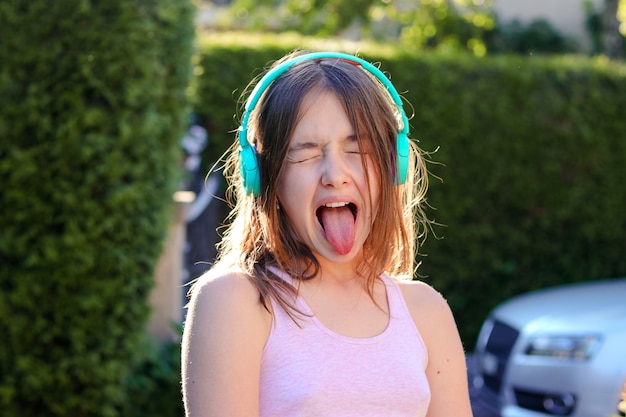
(567, 16)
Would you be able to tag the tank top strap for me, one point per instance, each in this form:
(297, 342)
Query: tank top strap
(281, 274)
(397, 305)
(279, 314)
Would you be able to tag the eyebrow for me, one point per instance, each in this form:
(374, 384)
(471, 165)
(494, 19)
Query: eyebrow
(304, 145)
(312, 145)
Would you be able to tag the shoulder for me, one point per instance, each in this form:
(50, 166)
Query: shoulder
(227, 294)
(219, 283)
(428, 308)
(419, 295)
(223, 300)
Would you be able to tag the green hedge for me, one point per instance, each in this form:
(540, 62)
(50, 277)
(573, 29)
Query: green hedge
(92, 107)
(154, 390)
(532, 189)
(530, 151)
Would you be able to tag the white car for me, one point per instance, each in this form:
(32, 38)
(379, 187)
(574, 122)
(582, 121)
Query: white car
(555, 352)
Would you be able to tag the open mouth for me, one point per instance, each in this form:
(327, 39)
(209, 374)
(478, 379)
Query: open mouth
(338, 220)
(339, 206)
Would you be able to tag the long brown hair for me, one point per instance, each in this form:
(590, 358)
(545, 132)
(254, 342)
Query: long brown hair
(259, 236)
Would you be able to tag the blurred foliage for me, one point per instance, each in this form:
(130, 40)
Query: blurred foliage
(92, 107)
(536, 37)
(419, 24)
(596, 25)
(154, 388)
(532, 192)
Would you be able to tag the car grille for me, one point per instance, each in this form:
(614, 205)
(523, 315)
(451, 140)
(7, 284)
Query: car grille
(558, 404)
(498, 347)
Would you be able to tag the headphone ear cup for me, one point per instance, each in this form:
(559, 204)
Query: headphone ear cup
(402, 158)
(249, 168)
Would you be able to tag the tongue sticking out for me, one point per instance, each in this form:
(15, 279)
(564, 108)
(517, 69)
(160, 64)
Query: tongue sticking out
(338, 223)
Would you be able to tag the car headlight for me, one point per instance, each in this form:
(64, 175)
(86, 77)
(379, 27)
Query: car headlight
(564, 347)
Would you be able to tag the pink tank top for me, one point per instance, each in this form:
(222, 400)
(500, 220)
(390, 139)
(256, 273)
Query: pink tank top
(311, 371)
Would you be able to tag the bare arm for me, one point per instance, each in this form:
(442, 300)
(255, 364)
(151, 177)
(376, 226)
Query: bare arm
(447, 370)
(225, 331)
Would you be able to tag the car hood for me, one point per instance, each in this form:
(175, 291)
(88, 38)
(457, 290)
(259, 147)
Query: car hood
(596, 305)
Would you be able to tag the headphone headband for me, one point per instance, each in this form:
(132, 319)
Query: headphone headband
(248, 164)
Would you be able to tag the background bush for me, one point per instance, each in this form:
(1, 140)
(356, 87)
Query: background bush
(154, 389)
(92, 108)
(532, 191)
(530, 152)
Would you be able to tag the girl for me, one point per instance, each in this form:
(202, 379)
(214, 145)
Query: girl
(310, 309)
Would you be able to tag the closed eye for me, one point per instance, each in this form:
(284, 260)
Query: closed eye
(352, 146)
(299, 160)
(354, 149)
(302, 154)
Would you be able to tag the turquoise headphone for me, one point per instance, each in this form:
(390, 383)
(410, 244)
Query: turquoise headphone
(248, 164)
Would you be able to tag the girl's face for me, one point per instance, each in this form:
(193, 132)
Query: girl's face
(324, 189)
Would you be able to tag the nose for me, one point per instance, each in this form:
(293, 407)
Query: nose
(336, 170)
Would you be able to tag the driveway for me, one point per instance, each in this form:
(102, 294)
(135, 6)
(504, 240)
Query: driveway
(479, 408)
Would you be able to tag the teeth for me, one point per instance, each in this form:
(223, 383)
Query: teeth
(335, 205)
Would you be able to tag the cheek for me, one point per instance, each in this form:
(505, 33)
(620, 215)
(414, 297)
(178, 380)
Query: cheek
(290, 190)
(374, 190)
(373, 176)
(281, 193)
